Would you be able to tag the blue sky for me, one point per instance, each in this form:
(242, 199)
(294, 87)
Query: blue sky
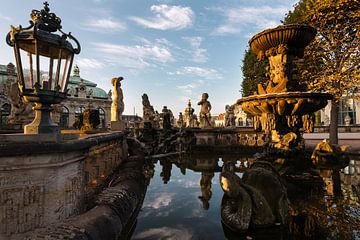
(171, 50)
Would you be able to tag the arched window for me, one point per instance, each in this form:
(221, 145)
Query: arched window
(64, 117)
(347, 112)
(5, 112)
(78, 117)
(79, 111)
(102, 117)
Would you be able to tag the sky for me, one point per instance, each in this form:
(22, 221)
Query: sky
(173, 50)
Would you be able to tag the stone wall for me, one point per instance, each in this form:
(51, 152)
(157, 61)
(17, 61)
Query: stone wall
(42, 183)
(229, 137)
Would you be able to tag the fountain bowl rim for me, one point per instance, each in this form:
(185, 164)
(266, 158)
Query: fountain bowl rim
(325, 96)
(306, 27)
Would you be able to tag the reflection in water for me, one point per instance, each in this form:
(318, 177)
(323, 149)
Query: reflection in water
(205, 184)
(173, 210)
(166, 170)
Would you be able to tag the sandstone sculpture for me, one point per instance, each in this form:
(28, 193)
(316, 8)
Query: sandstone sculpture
(190, 117)
(117, 106)
(166, 118)
(259, 199)
(205, 116)
(180, 122)
(148, 109)
(229, 116)
(326, 155)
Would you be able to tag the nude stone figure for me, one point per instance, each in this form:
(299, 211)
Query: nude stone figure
(205, 116)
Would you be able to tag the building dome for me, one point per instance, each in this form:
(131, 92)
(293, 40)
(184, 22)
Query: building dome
(75, 79)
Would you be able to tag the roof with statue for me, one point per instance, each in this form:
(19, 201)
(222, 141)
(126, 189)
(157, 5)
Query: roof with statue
(75, 80)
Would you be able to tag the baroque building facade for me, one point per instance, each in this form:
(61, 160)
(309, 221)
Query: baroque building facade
(349, 112)
(82, 94)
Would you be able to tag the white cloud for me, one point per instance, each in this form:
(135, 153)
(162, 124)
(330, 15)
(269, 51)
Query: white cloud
(189, 88)
(161, 200)
(6, 18)
(199, 54)
(179, 233)
(107, 24)
(207, 73)
(135, 56)
(89, 63)
(167, 17)
(259, 17)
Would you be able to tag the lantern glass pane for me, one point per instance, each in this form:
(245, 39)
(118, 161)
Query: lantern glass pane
(44, 72)
(54, 73)
(65, 72)
(60, 68)
(28, 64)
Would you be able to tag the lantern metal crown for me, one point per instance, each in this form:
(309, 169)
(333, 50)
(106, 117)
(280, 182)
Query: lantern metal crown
(53, 53)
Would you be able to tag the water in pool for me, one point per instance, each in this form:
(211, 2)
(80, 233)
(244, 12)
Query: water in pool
(183, 201)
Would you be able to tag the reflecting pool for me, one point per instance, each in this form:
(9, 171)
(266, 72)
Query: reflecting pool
(183, 201)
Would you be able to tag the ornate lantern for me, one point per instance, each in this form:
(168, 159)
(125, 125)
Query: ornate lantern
(38, 49)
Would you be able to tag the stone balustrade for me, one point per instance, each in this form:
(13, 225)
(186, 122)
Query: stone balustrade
(46, 182)
(228, 137)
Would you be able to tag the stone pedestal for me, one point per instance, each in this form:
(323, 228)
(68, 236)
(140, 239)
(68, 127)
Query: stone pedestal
(42, 123)
(117, 125)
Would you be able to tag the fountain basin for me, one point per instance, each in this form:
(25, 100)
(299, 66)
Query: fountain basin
(295, 36)
(284, 104)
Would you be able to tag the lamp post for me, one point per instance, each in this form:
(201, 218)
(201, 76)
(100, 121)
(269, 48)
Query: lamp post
(44, 47)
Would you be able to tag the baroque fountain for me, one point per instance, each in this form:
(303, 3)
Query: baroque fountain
(280, 107)
(269, 191)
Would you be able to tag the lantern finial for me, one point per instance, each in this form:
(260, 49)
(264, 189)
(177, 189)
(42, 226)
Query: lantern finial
(45, 20)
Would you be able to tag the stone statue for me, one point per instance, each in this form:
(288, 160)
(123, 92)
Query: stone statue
(117, 106)
(194, 121)
(166, 118)
(91, 92)
(172, 118)
(188, 112)
(90, 119)
(308, 123)
(21, 112)
(180, 121)
(148, 109)
(81, 89)
(205, 116)
(109, 94)
(229, 116)
(326, 155)
(257, 199)
(72, 91)
(157, 123)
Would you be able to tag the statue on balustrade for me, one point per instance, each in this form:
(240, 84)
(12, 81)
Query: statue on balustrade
(180, 121)
(190, 118)
(205, 116)
(148, 110)
(166, 118)
(117, 106)
(229, 116)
